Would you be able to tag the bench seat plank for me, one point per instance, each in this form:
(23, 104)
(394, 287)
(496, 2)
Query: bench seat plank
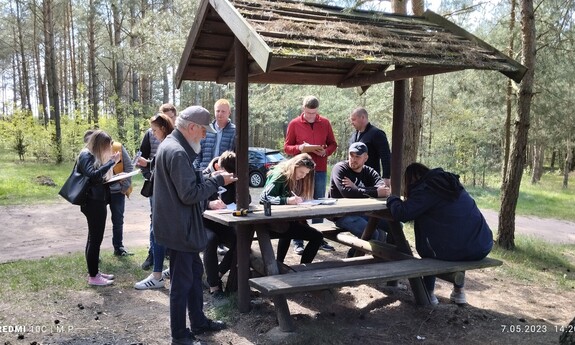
(367, 273)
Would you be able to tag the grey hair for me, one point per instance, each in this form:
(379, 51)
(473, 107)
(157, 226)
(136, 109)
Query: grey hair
(181, 123)
(360, 111)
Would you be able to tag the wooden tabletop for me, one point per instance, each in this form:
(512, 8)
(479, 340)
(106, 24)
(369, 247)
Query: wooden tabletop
(342, 207)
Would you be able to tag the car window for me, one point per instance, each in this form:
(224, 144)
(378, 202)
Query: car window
(275, 157)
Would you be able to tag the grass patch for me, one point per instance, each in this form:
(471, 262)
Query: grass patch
(537, 261)
(68, 272)
(546, 199)
(19, 186)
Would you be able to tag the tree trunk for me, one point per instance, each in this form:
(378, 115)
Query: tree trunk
(73, 66)
(93, 98)
(42, 103)
(25, 79)
(401, 87)
(166, 85)
(510, 93)
(52, 76)
(538, 158)
(119, 72)
(413, 121)
(512, 181)
(567, 166)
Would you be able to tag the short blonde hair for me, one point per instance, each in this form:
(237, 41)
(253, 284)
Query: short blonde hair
(222, 101)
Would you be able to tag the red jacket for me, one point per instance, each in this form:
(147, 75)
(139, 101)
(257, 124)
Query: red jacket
(317, 133)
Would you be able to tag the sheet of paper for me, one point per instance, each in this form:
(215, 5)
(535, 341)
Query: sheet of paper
(122, 176)
(319, 202)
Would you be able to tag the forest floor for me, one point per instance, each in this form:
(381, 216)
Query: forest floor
(500, 310)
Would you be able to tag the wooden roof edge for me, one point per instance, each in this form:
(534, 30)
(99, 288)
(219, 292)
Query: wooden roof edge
(396, 74)
(192, 38)
(435, 18)
(244, 32)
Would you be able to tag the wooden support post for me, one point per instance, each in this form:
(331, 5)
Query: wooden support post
(271, 268)
(244, 234)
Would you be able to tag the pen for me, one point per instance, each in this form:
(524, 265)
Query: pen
(294, 194)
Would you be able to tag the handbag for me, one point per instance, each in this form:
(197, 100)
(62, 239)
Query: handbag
(75, 189)
(147, 188)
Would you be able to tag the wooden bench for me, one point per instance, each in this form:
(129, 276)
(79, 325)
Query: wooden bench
(324, 278)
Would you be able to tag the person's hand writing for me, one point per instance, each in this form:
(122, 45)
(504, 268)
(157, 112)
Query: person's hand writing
(301, 147)
(216, 205)
(387, 182)
(228, 178)
(347, 183)
(294, 200)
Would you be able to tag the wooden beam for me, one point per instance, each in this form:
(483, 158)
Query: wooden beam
(191, 42)
(396, 74)
(228, 65)
(243, 32)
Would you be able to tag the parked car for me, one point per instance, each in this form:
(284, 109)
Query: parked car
(261, 160)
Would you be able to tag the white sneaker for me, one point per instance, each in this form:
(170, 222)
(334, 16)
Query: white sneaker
(458, 297)
(150, 283)
(166, 274)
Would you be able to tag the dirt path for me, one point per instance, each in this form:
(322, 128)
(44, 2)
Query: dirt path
(36, 231)
(501, 310)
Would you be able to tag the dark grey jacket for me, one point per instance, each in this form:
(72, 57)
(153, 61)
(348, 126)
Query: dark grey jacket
(180, 194)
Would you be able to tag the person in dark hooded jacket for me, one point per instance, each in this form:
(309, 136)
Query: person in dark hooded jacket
(447, 222)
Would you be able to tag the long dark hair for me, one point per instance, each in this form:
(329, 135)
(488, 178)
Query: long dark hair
(413, 173)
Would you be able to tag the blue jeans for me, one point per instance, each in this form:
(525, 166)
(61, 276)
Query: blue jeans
(117, 206)
(356, 225)
(158, 252)
(186, 294)
(320, 180)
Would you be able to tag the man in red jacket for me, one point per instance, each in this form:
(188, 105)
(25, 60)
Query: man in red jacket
(312, 133)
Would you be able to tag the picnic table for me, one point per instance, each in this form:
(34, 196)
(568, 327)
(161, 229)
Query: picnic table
(399, 261)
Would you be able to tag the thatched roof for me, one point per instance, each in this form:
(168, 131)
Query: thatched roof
(300, 43)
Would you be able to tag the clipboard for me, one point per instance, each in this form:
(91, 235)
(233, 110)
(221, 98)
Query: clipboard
(123, 175)
(311, 148)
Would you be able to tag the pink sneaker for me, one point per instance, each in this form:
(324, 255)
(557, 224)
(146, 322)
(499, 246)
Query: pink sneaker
(106, 276)
(98, 280)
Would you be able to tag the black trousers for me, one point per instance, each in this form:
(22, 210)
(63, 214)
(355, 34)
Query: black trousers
(96, 213)
(298, 230)
(218, 234)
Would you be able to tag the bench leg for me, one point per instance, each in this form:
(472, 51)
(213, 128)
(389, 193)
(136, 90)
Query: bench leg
(271, 267)
(417, 287)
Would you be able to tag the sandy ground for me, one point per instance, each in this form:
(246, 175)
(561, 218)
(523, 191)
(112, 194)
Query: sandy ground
(36, 231)
(501, 310)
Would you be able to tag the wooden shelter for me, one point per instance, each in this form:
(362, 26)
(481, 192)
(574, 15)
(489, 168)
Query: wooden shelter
(289, 42)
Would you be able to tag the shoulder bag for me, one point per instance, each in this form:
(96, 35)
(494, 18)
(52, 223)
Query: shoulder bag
(75, 189)
(147, 188)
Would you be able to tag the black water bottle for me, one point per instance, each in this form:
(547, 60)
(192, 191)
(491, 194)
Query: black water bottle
(267, 208)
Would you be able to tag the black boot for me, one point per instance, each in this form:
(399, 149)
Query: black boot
(149, 262)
